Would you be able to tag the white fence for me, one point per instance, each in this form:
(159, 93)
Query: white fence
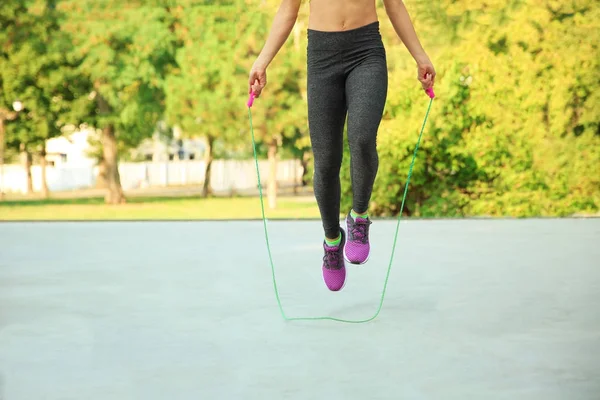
(226, 175)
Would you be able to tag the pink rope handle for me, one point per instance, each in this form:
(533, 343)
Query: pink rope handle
(430, 93)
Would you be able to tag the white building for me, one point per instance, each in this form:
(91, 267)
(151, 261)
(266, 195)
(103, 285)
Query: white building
(71, 149)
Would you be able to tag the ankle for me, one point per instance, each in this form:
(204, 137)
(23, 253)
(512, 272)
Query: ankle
(333, 242)
(355, 214)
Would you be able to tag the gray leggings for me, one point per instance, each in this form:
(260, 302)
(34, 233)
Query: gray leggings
(347, 76)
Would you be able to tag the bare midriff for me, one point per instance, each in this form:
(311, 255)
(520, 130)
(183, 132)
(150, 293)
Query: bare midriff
(341, 15)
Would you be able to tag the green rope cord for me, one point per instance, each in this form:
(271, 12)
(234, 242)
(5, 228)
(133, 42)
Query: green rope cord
(360, 321)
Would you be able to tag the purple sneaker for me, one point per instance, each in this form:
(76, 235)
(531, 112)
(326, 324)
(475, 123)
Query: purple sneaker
(357, 249)
(334, 268)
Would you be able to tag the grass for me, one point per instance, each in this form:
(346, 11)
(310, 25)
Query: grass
(156, 208)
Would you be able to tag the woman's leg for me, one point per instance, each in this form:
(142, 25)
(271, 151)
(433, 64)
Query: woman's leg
(326, 118)
(366, 90)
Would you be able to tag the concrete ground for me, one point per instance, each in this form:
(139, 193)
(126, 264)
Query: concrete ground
(475, 309)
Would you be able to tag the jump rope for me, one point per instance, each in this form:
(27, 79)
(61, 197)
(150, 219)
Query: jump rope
(431, 95)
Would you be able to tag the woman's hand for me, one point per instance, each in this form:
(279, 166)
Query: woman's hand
(257, 80)
(426, 72)
(282, 27)
(396, 10)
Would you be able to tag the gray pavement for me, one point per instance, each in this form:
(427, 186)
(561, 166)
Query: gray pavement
(475, 309)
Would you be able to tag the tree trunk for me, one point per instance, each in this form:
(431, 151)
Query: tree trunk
(294, 180)
(114, 193)
(102, 180)
(28, 169)
(26, 162)
(43, 164)
(272, 185)
(304, 161)
(208, 159)
(5, 115)
(109, 166)
(2, 141)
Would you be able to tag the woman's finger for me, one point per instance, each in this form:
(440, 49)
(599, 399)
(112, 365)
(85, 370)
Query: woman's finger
(252, 82)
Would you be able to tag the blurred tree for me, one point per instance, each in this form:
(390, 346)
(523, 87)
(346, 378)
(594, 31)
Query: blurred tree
(39, 79)
(515, 128)
(533, 79)
(281, 109)
(208, 89)
(202, 93)
(129, 49)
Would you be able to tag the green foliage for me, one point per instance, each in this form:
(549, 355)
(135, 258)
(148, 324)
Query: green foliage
(128, 49)
(37, 68)
(203, 91)
(515, 128)
(208, 89)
